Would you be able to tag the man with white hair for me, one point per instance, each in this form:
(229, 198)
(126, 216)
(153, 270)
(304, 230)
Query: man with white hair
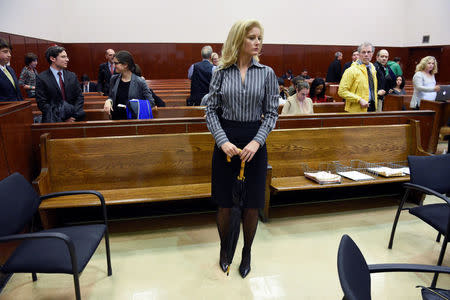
(359, 83)
(335, 69)
(200, 77)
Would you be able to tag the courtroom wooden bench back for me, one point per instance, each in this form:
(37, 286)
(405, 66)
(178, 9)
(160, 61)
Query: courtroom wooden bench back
(127, 162)
(289, 148)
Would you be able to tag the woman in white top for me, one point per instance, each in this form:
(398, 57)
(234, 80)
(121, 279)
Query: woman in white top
(299, 104)
(424, 82)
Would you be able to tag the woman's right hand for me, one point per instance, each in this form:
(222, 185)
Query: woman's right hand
(108, 107)
(230, 149)
(437, 88)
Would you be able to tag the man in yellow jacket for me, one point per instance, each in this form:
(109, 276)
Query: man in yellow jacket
(358, 88)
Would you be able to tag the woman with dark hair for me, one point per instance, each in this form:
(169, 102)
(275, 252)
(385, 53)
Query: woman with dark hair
(317, 91)
(399, 85)
(28, 75)
(124, 86)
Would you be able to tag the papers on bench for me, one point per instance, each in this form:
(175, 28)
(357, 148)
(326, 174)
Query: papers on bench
(323, 177)
(389, 172)
(355, 175)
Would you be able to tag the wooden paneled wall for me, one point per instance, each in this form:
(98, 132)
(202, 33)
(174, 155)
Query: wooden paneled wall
(172, 60)
(15, 139)
(22, 45)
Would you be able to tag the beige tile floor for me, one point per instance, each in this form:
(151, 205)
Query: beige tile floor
(294, 257)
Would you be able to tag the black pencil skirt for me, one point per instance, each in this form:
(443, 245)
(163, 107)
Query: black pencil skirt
(224, 174)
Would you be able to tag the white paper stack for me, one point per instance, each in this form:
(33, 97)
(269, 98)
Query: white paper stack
(387, 172)
(355, 175)
(323, 177)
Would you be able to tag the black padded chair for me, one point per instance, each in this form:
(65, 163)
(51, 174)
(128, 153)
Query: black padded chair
(429, 175)
(59, 250)
(354, 273)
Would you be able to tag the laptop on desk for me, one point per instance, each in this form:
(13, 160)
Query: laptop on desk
(444, 93)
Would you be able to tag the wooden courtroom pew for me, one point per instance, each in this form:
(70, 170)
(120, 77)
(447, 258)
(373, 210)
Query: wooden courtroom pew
(394, 103)
(126, 170)
(192, 124)
(289, 149)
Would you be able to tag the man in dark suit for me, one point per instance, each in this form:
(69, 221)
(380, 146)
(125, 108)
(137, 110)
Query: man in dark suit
(105, 71)
(86, 85)
(355, 57)
(201, 77)
(9, 86)
(58, 92)
(334, 73)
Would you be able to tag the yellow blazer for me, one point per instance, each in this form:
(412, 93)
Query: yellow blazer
(355, 85)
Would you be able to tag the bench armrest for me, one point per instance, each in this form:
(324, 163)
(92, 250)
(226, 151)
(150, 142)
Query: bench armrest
(42, 183)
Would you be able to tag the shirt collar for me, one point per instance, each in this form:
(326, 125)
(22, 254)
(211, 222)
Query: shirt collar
(253, 62)
(359, 62)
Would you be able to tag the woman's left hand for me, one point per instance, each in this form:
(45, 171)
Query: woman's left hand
(249, 151)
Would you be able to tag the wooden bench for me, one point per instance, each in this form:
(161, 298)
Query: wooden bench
(181, 120)
(289, 149)
(126, 170)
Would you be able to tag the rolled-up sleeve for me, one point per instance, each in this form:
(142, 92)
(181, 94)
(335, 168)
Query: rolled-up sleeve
(213, 101)
(269, 107)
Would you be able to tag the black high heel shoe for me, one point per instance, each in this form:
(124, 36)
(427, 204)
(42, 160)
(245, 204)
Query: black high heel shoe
(223, 262)
(244, 267)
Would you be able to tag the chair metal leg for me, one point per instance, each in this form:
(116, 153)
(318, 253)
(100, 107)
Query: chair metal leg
(76, 282)
(108, 253)
(397, 216)
(438, 238)
(440, 259)
(34, 276)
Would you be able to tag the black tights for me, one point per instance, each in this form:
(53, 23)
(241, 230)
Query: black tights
(249, 225)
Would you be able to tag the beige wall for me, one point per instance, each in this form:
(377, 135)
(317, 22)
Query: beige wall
(327, 22)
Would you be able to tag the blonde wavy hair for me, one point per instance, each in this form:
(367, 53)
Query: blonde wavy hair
(423, 63)
(233, 45)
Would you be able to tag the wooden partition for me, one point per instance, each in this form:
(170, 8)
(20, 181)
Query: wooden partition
(396, 102)
(15, 139)
(442, 110)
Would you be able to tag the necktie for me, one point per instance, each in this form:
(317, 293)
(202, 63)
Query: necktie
(61, 85)
(112, 69)
(86, 88)
(5, 70)
(371, 91)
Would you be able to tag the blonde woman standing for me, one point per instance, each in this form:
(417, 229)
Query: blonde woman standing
(424, 82)
(241, 91)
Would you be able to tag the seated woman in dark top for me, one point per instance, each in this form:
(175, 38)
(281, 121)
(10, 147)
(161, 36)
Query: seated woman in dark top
(125, 86)
(317, 90)
(399, 85)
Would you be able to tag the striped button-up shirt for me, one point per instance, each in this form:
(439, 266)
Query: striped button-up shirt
(253, 100)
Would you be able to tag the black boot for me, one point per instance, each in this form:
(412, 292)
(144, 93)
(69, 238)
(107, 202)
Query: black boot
(244, 267)
(223, 262)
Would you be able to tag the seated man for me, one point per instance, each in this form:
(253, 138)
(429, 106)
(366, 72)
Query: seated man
(86, 85)
(58, 92)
